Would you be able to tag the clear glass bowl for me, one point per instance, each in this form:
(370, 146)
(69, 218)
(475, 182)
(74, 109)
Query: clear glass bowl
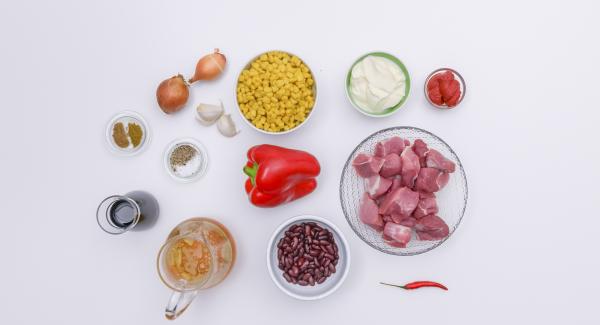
(126, 117)
(201, 151)
(452, 199)
(461, 82)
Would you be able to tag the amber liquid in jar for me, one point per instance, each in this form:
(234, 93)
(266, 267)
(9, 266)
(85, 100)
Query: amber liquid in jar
(203, 254)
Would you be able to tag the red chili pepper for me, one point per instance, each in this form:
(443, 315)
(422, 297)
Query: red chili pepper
(279, 175)
(417, 285)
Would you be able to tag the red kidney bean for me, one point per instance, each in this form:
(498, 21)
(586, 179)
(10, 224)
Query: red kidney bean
(307, 254)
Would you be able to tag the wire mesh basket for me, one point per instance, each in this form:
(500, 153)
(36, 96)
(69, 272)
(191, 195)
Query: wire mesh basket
(451, 200)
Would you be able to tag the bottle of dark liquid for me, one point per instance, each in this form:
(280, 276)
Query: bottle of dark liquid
(137, 210)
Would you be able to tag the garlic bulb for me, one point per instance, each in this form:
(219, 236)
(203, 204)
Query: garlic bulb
(226, 126)
(208, 114)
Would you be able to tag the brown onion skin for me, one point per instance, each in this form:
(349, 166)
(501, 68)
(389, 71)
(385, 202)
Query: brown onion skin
(172, 94)
(209, 67)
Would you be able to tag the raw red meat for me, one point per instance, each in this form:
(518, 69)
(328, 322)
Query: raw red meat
(369, 213)
(396, 184)
(402, 201)
(396, 235)
(431, 180)
(431, 227)
(435, 159)
(410, 167)
(427, 205)
(389, 146)
(421, 149)
(376, 186)
(391, 166)
(402, 220)
(367, 165)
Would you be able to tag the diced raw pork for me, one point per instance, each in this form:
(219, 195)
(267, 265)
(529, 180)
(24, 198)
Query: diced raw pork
(425, 195)
(367, 165)
(369, 213)
(431, 227)
(431, 180)
(387, 219)
(421, 149)
(376, 186)
(410, 167)
(396, 184)
(389, 146)
(391, 166)
(402, 201)
(427, 205)
(396, 235)
(436, 160)
(402, 220)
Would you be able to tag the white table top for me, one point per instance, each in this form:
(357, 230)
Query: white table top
(527, 247)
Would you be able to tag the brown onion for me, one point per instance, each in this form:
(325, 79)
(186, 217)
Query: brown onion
(209, 67)
(172, 94)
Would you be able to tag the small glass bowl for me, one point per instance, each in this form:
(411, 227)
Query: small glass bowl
(127, 117)
(390, 110)
(457, 76)
(201, 151)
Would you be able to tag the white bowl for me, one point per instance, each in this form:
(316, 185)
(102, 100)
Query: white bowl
(268, 132)
(318, 291)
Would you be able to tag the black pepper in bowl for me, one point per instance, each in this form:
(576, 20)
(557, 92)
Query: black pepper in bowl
(307, 254)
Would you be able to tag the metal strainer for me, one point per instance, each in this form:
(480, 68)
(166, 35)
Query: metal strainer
(451, 200)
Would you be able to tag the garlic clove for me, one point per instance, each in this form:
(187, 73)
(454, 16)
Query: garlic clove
(226, 126)
(207, 114)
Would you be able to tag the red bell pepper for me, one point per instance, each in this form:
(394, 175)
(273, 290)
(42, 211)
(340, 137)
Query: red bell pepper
(279, 175)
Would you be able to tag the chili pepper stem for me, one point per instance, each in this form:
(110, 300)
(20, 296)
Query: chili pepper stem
(251, 172)
(393, 285)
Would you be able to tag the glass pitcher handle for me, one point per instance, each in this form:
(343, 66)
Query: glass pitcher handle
(178, 303)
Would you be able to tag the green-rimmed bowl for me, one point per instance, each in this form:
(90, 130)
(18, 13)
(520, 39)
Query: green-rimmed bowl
(390, 110)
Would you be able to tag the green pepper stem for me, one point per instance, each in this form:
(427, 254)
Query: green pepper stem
(251, 172)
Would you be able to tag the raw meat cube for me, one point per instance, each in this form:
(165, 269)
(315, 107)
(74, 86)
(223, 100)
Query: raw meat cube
(435, 159)
(391, 165)
(431, 180)
(389, 146)
(431, 227)
(367, 165)
(427, 205)
(402, 201)
(387, 219)
(396, 235)
(421, 149)
(376, 186)
(396, 184)
(403, 220)
(369, 213)
(410, 167)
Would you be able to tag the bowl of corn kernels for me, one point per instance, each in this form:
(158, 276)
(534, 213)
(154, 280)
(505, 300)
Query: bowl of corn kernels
(276, 92)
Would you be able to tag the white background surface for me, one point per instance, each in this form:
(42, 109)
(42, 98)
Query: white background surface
(526, 134)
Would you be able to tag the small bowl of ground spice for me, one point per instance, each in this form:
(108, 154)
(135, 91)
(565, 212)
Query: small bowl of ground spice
(186, 160)
(127, 133)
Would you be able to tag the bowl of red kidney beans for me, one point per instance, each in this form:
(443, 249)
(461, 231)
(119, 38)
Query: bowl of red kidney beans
(308, 257)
